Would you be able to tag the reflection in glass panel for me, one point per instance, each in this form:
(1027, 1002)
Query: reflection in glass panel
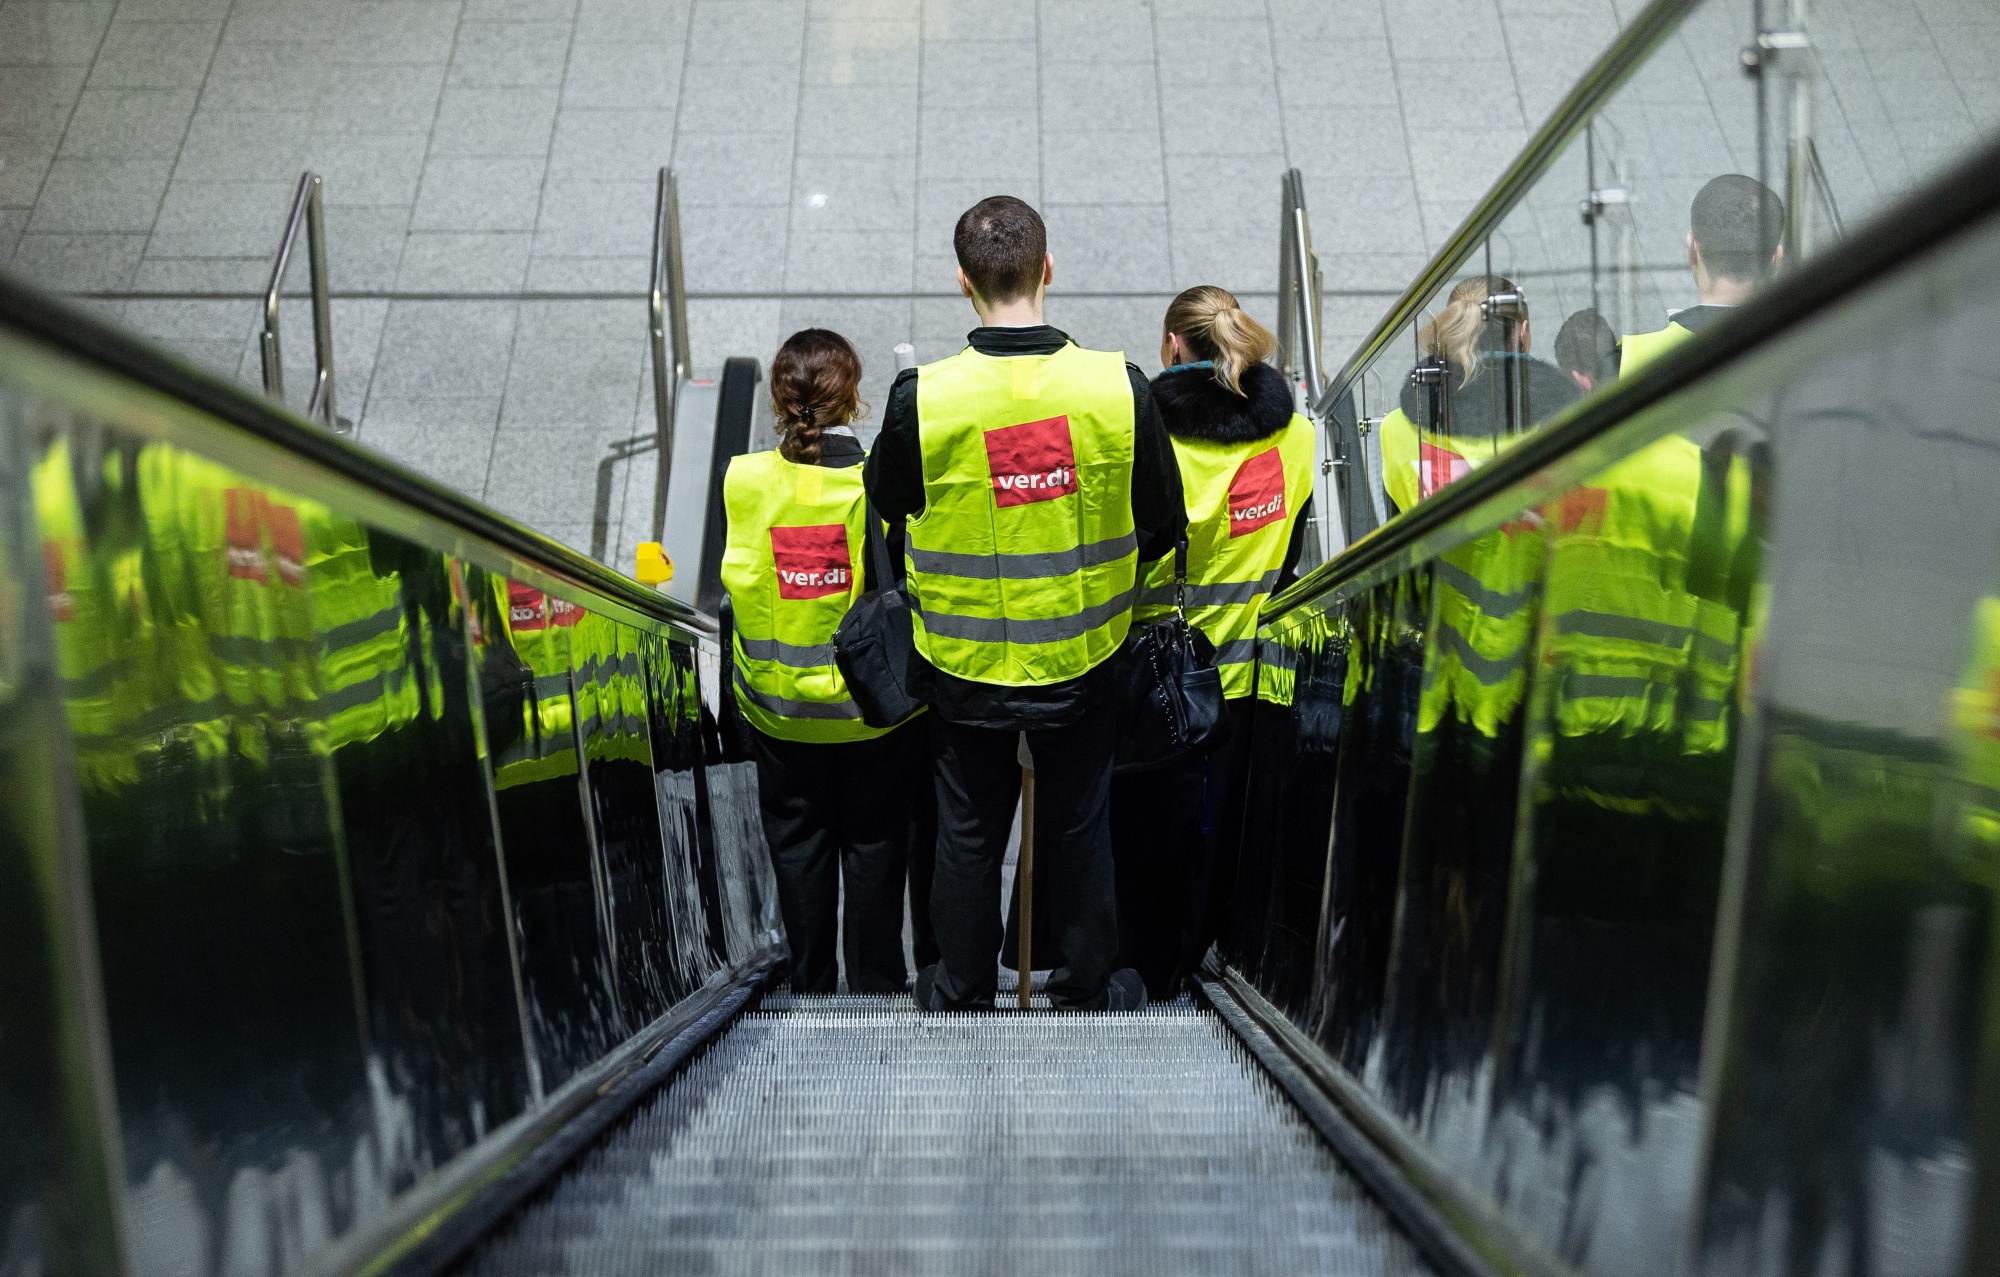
(673, 707)
(192, 688)
(738, 853)
(545, 827)
(443, 1012)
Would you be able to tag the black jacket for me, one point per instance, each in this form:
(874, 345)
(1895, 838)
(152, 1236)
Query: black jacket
(1479, 408)
(895, 479)
(1194, 405)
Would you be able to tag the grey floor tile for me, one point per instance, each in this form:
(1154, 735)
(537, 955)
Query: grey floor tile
(857, 120)
(995, 148)
(854, 193)
(941, 204)
(464, 261)
(1330, 73)
(875, 327)
(1084, 96)
(721, 327)
(479, 193)
(978, 20)
(1243, 258)
(128, 124)
(450, 440)
(361, 168)
(24, 162)
(221, 219)
(660, 20)
(849, 261)
(279, 22)
(1109, 248)
(379, 99)
(202, 274)
(936, 272)
(80, 263)
(591, 384)
(1492, 107)
(494, 122)
(978, 75)
(501, 55)
(745, 30)
(1097, 32)
(357, 340)
(82, 196)
(1103, 168)
(580, 321)
(13, 221)
(391, 32)
(1461, 163)
(1358, 141)
(218, 320)
(610, 145)
(639, 75)
(273, 76)
(588, 274)
(596, 219)
(154, 55)
(733, 168)
(36, 101)
(1213, 53)
(175, 10)
(521, 10)
(738, 249)
(1247, 120)
(244, 146)
(856, 53)
(445, 349)
(1128, 324)
(547, 478)
(364, 245)
(715, 98)
(36, 34)
(1226, 191)
(1379, 272)
(864, 10)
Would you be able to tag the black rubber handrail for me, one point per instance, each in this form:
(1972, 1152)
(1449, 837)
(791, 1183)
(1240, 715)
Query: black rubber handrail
(1627, 53)
(71, 329)
(1962, 198)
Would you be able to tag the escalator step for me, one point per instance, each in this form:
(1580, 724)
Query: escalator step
(851, 1135)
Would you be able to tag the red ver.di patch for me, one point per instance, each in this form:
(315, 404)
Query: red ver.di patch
(1031, 462)
(812, 561)
(1257, 493)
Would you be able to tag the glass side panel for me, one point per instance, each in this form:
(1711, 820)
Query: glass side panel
(443, 1017)
(546, 828)
(673, 708)
(736, 864)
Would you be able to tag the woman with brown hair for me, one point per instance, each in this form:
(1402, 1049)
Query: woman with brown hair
(836, 794)
(1246, 463)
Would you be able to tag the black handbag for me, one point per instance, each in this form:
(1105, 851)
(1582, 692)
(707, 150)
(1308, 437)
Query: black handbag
(875, 643)
(1170, 693)
(732, 729)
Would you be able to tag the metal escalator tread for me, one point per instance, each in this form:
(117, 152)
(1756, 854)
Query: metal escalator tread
(854, 1136)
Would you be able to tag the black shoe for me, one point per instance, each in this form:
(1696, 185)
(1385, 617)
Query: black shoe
(1125, 991)
(925, 991)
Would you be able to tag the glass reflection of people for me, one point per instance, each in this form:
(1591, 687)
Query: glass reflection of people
(834, 792)
(1246, 462)
(1587, 350)
(1734, 244)
(1473, 393)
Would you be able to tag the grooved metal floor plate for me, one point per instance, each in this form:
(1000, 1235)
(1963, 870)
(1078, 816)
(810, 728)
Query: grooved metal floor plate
(853, 1136)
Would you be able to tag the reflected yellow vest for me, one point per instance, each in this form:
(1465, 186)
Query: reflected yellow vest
(1639, 349)
(793, 566)
(1242, 500)
(1023, 564)
(1408, 453)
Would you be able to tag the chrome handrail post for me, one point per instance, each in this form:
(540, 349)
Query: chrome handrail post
(1287, 285)
(271, 350)
(667, 304)
(321, 405)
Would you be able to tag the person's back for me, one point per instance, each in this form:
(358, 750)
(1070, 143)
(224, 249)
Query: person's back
(1735, 227)
(1034, 480)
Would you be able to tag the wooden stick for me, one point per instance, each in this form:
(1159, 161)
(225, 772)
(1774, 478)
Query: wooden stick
(1026, 876)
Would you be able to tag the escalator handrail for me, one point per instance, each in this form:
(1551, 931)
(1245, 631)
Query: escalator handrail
(73, 330)
(1634, 45)
(1962, 198)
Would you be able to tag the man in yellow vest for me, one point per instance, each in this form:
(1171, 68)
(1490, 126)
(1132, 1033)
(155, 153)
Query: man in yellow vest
(1735, 228)
(1033, 478)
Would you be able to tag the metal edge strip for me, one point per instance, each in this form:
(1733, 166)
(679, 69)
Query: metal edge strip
(436, 1222)
(1460, 1235)
(78, 332)
(1923, 221)
(1626, 54)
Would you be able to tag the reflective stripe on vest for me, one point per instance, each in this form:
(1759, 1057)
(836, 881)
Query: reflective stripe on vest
(1484, 628)
(793, 565)
(1277, 665)
(1242, 500)
(1023, 564)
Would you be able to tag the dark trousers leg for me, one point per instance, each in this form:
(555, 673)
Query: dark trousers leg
(916, 764)
(798, 801)
(1156, 840)
(978, 780)
(1225, 784)
(1073, 849)
(876, 778)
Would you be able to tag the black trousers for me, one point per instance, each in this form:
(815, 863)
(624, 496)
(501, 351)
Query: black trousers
(834, 812)
(978, 776)
(1175, 833)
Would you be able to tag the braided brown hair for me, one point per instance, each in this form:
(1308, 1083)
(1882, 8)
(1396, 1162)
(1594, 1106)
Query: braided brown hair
(815, 383)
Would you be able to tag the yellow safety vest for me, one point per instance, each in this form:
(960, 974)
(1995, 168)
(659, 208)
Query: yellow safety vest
(1023, 564)
(539, 626)
(793, 565)
(1417, 463)
(366, 686)
(87, 649)
(1483, 596)
(1277, 668)
(1639, 349)
(1242, 500)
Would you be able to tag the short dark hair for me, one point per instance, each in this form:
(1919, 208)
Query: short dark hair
(1737, 223)
(1001, 243)
(1585, 344)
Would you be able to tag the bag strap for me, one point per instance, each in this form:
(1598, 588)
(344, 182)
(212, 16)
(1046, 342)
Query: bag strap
(881, 573)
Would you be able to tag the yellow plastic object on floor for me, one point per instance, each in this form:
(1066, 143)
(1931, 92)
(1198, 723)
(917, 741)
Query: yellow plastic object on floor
(653, 566)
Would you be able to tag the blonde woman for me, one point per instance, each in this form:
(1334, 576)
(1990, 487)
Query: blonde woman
(1475, 392)
(1245, 457)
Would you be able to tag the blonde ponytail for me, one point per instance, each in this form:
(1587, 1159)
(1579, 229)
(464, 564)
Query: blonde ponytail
(1458, 333)
(1213, 327)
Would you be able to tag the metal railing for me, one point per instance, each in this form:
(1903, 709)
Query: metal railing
(1299, 287)
(667, 329)
(307, 214)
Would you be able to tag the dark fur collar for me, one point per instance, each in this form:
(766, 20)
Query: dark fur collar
(1194, 405)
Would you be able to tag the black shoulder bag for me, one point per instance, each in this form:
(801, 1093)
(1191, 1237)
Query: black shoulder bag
(1170, 693)
(874, 642)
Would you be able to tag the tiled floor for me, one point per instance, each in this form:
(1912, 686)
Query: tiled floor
(489, 172)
